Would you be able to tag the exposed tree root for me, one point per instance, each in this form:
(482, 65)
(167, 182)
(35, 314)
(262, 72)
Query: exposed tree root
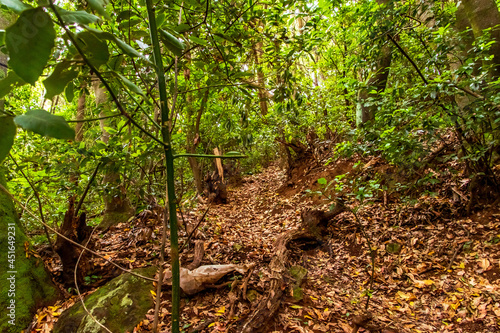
(314, 226)
(76, 229)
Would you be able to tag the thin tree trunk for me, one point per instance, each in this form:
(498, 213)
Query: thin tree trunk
(461, 25)
(117, 206)
(376, 84)
(193, 139)
(257, 51)
(80, 115)
(193, 133)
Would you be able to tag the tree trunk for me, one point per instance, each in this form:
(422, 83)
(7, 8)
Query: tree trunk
(118, 208)
(257, 51)
(5, 21)
(461, 25)
(80, 115)
(484, 14)
(76, 229)
(193, 133)
(376, 84)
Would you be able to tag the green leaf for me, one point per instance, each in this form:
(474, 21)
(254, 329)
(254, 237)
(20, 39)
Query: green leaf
(160, 18)
(10, 82)
(138, 34)
(95, 49)
(127, 49)
(58, 80)
(124, 15)
(125, 25)
(198, 40)
(30, 41)
(98, 6)
(46, 124)
(116, 62)
(8, 132)
(110, 130)
(322, 181)
(182, 28)
(130, 85)
(15, 5)
(69, 92)
(172, 43)
(80, 16)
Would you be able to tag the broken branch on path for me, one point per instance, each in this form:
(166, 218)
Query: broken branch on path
(314, 225)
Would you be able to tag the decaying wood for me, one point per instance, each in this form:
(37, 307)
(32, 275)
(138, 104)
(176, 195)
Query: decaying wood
(195, 278)
(314, 225)
(76, 229)
(215, 188)
(302, 152)
(218, 164)
(199, 252)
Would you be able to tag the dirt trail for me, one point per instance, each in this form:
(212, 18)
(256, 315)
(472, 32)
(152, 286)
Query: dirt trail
(413, 290)
(257, 213)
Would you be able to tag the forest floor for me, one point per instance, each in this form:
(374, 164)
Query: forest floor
(435, 270)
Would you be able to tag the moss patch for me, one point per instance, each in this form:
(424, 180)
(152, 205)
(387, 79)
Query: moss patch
(119, 305)
(113, 218)
(25, 285)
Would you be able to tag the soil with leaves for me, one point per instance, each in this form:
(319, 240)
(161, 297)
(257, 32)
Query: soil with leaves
(435, 270)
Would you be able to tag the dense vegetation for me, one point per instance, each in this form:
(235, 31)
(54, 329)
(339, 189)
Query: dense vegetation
(106, 103)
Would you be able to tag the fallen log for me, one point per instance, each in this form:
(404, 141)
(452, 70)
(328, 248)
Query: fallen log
(195, 278)
(314, 226)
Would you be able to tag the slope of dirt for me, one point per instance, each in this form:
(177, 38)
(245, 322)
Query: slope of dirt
(434, 271)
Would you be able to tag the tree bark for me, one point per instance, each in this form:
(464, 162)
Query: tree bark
(376, 84)
(117, 206)
(76, 229)
(193, 132)
(257, 51)
(484, 14)
(5, 20)
(193, 140)
(80, 115)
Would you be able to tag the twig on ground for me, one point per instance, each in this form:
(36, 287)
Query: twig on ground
(195, 228)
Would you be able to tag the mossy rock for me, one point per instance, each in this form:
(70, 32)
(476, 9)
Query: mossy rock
(119, 305)
(31, 286)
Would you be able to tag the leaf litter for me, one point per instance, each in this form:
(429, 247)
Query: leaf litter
(435, 270)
